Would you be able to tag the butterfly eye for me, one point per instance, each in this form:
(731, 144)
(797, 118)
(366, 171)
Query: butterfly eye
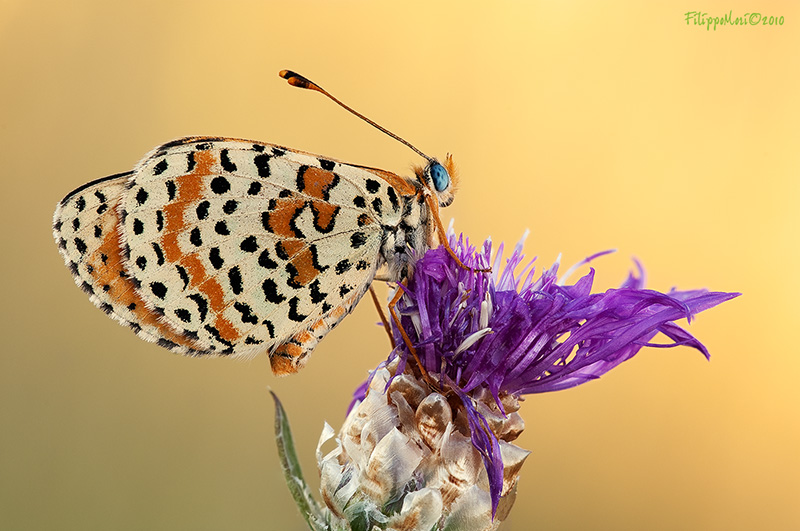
(440, 177)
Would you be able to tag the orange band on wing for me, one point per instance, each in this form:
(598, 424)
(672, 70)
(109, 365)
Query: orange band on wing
(108, 270)
(191, 188)
(317, 182)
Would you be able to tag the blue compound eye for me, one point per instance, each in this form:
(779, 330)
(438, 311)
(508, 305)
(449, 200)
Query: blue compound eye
(441, 179)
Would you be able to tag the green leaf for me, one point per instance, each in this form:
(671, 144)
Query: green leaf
(308, 506)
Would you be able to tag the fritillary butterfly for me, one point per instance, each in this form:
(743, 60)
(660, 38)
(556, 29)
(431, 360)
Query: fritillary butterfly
(221, 246)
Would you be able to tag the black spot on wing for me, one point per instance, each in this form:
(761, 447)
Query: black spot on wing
(220, 185)
(141, 196)
(222, 228)
(300, 180)
(315, 258)
(377, 205)
(159, 220)
(293, 223)
(357, 239)
(195, 237)
(171, 189)
(138, 226)
(159, 253)
(230, 206)
(262, 164)
(373, 186)
(247, 313)
(226, 162)
(280, 250)
(343, 267)
(202, 209)
(270, 327)
(216, 335)
(166, 343)
(158, 289)
(327, 164)
(184, 315)
(294, 302)
(235, 279)
(80, 245)
(393, 198)
(190, 161)
(202, 305)
(265, 261)
(215, 258)
(160, 167)
(87, 288)
(317, 295)
(249, 244)
(360, 202)
(183, 274)
(291, 281)
(255, 187)
(271, 294)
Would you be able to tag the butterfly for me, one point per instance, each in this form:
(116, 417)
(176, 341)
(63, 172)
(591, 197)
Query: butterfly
(231, 247)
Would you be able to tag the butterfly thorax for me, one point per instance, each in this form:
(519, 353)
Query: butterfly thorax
(406, 241)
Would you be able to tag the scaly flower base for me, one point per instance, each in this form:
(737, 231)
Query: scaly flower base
(405, 460)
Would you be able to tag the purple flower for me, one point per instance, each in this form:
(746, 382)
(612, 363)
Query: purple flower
(512, 333)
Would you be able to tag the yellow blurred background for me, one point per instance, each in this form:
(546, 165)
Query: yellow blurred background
(596, 125)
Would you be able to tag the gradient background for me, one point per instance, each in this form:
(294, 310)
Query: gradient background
(596, 126)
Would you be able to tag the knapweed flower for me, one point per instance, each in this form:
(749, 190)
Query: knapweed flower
(428, 443)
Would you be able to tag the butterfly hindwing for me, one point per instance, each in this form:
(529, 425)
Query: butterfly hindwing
(87, 229)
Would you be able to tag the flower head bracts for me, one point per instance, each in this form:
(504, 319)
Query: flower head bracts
(517, 334)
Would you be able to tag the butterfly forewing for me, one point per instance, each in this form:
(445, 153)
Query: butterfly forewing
(246, 247)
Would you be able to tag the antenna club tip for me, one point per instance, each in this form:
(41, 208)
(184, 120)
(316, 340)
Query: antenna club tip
(297, 80)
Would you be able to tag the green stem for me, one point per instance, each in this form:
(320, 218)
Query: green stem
(308, 506)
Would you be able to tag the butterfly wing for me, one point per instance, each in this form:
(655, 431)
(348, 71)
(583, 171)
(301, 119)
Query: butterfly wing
(245, 247)
(87, 229)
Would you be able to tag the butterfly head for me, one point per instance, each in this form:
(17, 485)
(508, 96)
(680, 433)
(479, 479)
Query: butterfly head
(440, 178)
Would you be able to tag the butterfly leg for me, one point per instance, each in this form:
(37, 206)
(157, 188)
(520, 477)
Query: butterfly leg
(407, 340)
(382, 315)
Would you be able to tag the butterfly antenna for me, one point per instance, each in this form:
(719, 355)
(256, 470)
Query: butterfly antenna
(296, 80)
